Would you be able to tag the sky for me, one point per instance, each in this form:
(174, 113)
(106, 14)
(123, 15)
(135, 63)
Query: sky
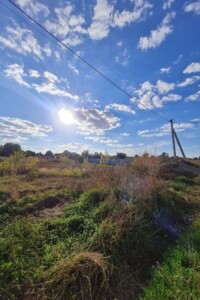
(51, 99)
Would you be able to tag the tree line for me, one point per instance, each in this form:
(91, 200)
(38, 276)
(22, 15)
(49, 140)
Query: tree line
(9, 149)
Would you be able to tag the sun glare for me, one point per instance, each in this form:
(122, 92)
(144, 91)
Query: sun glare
(66, 117)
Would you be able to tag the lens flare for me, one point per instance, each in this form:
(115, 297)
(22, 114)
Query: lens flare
(66, 117)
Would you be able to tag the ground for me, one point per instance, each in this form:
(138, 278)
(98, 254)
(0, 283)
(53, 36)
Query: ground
(83, 231)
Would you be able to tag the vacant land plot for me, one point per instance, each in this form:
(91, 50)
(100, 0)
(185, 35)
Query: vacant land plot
(81, 231)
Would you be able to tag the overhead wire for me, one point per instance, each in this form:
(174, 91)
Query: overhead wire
(85, 61)
(28, 23)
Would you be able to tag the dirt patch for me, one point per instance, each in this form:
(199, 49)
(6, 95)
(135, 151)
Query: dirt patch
(172, 168)
(49, 207)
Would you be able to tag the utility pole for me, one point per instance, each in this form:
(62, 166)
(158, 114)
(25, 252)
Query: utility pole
(174, 136)
(173, 140)
(179, 144)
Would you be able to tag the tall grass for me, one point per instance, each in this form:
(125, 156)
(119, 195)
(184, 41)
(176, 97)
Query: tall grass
(104, 243)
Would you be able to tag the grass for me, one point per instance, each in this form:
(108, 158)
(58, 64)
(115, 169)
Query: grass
(106, 241)
(178, 277)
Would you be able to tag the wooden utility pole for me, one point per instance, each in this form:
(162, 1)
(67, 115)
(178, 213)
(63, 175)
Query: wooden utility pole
(179, 144)
(174, 136)
(173, 140)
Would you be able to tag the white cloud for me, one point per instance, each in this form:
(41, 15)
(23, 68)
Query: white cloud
(178, 59)
(34, 73)
(140, 10)
(105, 17)
(120, 146)
(165, 70)
(67, 25)
(50, 77)
(192, 68)
(167, 4)
(158, 35)
(148, 96)
(16, 72)
(33, 7)
(73, 68)
(101, 21)
(189, 81)
(52, 89)
(194, 97)
(193, 7)
(164, 87)
(125, 134)
(144, 101)
(88, 98)
(22, 41)
(171, 97)
(164, 130)
(119, 44)
(195, 120)
(18, 130)
(101, 140)
(57, 55)
(120, 107)
(47, 50)
(95, 121)
(123, 57)
(49, 83)
(177, 126)
(77, 147)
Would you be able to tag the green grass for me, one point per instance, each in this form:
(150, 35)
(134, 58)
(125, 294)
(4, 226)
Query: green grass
(178, 277)
(99, 246)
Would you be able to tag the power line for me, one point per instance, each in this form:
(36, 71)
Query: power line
(21, 18)
(85, 61)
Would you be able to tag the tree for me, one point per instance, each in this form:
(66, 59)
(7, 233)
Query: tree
(9, 149)
(145, 154)
(49, 153)
(30, 153)
(85, 154)
(165, 155)
(121, 155)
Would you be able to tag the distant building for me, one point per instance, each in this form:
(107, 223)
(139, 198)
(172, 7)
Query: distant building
(111, 161)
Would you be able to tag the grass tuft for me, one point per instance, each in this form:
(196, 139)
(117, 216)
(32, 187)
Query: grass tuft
(84, 276)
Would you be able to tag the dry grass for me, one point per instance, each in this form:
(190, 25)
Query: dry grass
(146, 166)
(83, 277)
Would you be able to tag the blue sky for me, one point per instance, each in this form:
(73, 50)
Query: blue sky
(149, 48)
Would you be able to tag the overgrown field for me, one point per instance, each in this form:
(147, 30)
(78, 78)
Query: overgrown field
(81, 231)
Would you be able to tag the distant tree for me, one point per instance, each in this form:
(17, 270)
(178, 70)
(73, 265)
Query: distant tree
(96, 155)
(121, 155)
(165, 155)
(39, 154)
(85, 154)
(9, 149)
(66, 153)
(30, 153)
(145, 154)
(49, 153)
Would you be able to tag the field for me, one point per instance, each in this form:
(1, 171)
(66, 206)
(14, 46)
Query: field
(85, 231)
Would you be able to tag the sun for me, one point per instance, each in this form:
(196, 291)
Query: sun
(66, 117)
